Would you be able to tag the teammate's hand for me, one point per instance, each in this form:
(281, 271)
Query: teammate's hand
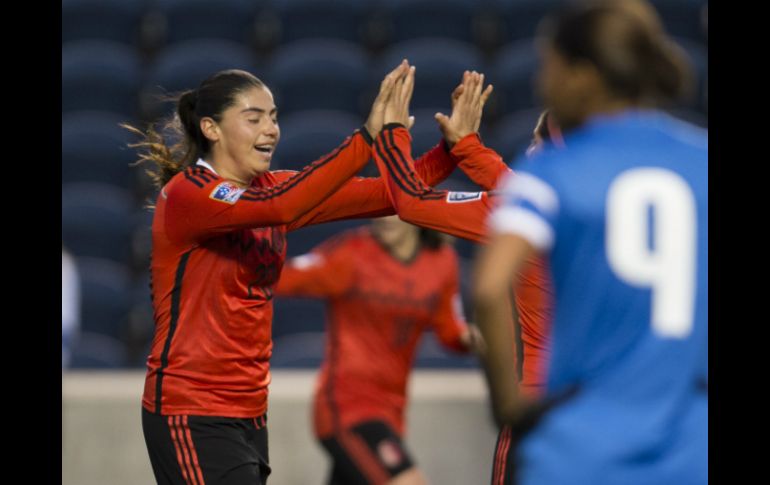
(468, 101)
(377, 115)
(397, 107)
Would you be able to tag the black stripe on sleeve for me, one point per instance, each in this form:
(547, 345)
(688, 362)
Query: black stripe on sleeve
(388, 147)
(192, 179)
(424, 192)
(390, 167)
(203, 173)
(176, 296)
(367, 136)
(422, 187)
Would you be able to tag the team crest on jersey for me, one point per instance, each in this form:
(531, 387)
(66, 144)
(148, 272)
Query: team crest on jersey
(456, 197)
(227, 192)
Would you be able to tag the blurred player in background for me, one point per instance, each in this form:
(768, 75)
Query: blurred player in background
(385, 286)
(379, 282)
(464, 215)
(218, 248)
(622, 215)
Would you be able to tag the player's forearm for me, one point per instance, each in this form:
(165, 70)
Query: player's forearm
(306, 189)
(323, 177)
(435, 165)
(498, 359)
(196, 212)
(362, 197)
(495, 267)
(484, 166)
(359, 197)
(417, 203)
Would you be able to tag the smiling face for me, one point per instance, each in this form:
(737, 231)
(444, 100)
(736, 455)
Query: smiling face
(392, 231)
(243, 142)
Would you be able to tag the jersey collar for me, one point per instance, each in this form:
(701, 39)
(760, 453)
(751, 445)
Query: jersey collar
(204, 163)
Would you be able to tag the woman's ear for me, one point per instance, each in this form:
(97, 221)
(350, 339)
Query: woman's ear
(210, 129)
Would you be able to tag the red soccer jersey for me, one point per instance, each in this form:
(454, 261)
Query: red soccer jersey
(217, 253)
(378, 309)
(464, 215)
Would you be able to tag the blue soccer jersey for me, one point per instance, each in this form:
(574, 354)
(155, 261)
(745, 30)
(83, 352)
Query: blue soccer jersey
(622, 213)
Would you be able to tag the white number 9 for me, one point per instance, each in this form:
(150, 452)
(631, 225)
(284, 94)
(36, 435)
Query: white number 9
(668, 268)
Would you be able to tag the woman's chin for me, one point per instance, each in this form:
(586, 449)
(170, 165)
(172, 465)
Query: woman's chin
(261, 167)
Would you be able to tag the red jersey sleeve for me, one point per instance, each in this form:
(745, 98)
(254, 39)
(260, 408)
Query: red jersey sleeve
(449, 321)
(365, 197)
(484, 166)
(203, 204)
(461, 214)
(322, 273)
(435, 165)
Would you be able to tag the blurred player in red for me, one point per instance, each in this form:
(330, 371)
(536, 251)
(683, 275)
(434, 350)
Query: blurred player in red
(385, 286)
(218, 233)
(464, 214)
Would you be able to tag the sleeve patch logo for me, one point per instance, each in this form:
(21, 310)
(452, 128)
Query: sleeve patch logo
(227, 192)
(457, 197)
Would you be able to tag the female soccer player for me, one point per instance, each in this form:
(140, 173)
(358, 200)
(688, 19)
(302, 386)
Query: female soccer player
(385, 285)
(218, 247)
(622, 214)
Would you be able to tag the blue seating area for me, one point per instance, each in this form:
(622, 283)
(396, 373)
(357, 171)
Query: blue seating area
(318, 74)
(317, 19)
(308, 135)
(440, 63)
(185, 65)
(324, 61)
(106, 297)
(513, 73)
(97, 220)
(100, 75)
(94, 149)
(412, 19)
(113, 20)
(185, 20)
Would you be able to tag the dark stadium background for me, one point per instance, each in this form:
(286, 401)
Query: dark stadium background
(323, 60)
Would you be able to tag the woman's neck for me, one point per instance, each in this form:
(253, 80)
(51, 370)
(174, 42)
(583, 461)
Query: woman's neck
(405, 249)
(221, 169)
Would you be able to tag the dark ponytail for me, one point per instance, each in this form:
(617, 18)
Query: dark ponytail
(624, 40)
(180, 141)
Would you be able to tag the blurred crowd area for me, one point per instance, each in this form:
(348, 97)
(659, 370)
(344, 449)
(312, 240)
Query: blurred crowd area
(323, 60)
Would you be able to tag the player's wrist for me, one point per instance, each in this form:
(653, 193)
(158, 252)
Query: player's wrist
(471, 140)
(367, 134)
(392, 125)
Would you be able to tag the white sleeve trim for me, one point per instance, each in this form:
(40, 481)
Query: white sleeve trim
(524, 223)
(533, 189)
